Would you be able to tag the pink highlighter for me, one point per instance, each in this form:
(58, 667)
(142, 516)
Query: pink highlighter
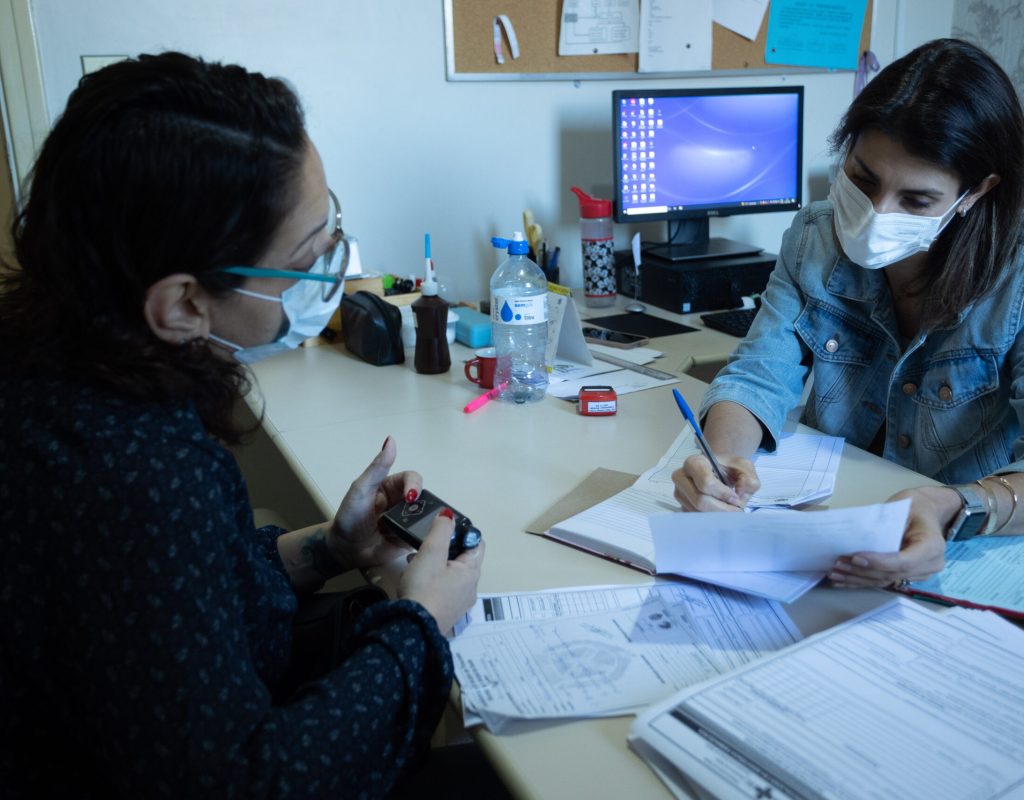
(473, 405)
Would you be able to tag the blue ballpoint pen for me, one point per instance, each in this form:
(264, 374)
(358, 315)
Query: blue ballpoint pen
(701, 441)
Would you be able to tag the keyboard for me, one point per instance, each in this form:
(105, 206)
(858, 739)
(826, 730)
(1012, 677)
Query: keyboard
(735, 322)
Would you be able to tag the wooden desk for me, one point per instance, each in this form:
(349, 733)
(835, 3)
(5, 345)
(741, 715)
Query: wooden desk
(328, 414)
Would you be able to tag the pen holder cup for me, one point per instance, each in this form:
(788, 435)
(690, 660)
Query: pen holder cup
(547, 260)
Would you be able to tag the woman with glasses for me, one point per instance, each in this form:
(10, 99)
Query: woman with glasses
(901, 298)
(179, 223)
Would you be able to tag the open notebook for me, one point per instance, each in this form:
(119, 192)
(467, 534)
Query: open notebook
(607, 517)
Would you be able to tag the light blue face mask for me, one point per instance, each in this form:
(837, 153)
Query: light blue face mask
(309, 304)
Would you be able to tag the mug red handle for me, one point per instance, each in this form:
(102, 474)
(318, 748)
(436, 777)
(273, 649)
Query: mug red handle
(473, 362)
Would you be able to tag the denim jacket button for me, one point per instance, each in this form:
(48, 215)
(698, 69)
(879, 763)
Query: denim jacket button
(945, 393)
(903, 441)
(909, 388)
(832, 344)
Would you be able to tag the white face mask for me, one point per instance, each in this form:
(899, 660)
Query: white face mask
(875, 240)
(306, 313)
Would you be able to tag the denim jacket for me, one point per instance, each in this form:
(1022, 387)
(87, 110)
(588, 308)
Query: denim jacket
(954, 399)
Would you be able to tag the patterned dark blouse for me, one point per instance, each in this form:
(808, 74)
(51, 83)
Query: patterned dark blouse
(144, 622)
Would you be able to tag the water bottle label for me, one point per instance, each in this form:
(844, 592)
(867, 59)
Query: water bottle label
(528, 310)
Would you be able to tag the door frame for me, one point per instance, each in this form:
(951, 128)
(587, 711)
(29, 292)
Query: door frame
(22, 97)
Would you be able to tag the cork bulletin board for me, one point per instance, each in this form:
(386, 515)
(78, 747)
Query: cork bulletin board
(470, 49)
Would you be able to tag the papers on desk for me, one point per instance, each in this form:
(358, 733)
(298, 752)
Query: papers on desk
(778, 555)
(801, 470)
(774, 542)
(804, 468)
(986, 572)
(604, 651)
(901, 702)
(626, 372)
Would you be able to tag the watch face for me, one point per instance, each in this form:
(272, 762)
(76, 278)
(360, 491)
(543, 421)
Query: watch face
(971, 525)
(972, 516)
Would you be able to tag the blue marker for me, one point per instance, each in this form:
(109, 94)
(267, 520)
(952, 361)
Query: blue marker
(701, 441)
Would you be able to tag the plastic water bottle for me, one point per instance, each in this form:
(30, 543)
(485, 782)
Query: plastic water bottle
(519, 322)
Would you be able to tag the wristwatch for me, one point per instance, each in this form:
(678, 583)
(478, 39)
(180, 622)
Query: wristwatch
(971, 519)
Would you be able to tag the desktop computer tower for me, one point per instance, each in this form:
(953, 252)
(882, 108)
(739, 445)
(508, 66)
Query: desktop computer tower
(695, 285)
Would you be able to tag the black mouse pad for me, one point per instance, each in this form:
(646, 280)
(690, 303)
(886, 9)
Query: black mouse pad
(641, 324)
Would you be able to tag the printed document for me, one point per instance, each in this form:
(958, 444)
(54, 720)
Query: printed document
(553, 663)
(619, 528)
(594, 27)
(815, 33)
(900, 702)
(675, 36)
(984, 571)
(568, 376)
(721, 541)
(801, 470)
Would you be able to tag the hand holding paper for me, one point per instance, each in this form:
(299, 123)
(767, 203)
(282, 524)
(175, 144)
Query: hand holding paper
(774, 541)
(922, 551)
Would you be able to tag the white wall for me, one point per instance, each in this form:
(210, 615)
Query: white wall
(409, 152)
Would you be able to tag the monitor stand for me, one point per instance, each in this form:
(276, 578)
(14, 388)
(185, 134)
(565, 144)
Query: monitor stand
(692, 242)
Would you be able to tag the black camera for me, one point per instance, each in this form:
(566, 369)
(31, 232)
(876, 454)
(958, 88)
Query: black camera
(411, 523)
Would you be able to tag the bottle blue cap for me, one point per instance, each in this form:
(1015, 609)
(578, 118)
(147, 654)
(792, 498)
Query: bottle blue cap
(516, 246)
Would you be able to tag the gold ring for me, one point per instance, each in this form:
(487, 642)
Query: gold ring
(899, 583)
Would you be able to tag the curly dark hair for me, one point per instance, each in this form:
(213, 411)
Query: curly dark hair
(950, 103)
(158, 165)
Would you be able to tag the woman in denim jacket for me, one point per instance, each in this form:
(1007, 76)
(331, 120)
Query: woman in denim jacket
(901, 298)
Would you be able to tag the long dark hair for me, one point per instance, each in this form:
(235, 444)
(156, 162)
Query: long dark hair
(158, 165)
(949, 103)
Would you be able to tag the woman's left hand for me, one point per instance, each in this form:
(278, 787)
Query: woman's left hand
(355, 540)
(922, 552)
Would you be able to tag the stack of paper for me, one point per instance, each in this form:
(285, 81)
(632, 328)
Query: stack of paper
(604, 651)
(779, 555)
(901, 702)
(801, 470)
(623, 370)
(779, 541)
(774, 554)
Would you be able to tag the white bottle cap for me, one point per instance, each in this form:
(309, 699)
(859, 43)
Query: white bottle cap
(428, 286)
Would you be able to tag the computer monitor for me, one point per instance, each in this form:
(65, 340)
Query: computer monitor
(685, 155)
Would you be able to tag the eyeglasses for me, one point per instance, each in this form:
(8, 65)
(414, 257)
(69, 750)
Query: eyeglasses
(329, 268)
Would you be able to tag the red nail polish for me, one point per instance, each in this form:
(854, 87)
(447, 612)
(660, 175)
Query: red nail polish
(385, 443)
(446, 512)
(411, 495)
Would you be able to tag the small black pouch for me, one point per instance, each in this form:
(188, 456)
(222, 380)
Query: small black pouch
(372, 328)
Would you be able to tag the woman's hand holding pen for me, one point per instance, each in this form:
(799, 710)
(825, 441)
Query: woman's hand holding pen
(697, 488)
(730, 429)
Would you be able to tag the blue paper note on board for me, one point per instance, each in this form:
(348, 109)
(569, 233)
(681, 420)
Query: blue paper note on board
(815, 33)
